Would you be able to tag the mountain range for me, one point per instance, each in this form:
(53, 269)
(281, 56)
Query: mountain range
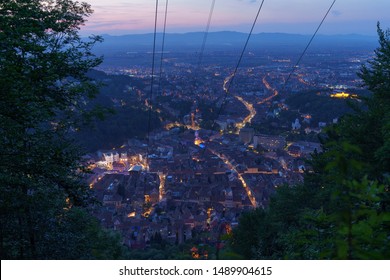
(230, 41)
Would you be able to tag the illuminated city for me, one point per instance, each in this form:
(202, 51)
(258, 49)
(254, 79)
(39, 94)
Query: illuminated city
(193, 170)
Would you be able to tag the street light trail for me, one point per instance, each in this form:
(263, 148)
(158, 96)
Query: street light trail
(268, 86)
(244, 184)
(162, 186)
(252, 113)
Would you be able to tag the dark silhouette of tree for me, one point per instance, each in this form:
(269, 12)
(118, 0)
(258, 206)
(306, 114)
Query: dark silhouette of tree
(43, 92)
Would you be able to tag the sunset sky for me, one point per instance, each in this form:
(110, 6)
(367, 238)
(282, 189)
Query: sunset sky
(118, 17)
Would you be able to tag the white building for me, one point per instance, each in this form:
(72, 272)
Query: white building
(115, 156)
(109, 158)
(296, 125)
(124, 156)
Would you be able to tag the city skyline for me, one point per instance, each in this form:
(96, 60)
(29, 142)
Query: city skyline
(117, 17)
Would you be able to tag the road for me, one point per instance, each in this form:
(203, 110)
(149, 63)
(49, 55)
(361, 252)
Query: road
(268, 86)
(248, 119)
(162, 177)
(248, 106)
(232, 167)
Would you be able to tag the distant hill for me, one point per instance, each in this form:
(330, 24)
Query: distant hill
(228, 41)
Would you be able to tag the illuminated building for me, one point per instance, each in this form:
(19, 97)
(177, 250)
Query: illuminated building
(343, 95)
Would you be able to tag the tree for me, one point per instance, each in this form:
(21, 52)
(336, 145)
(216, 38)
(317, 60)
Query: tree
(43, 89)
(248, 239)
(376, 120)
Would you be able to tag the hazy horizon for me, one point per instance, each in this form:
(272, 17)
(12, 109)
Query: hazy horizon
(241, 32)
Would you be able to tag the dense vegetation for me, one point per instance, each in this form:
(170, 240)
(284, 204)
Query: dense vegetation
(322, 107)
(127, 118)
(44, 89)
(341, 211)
